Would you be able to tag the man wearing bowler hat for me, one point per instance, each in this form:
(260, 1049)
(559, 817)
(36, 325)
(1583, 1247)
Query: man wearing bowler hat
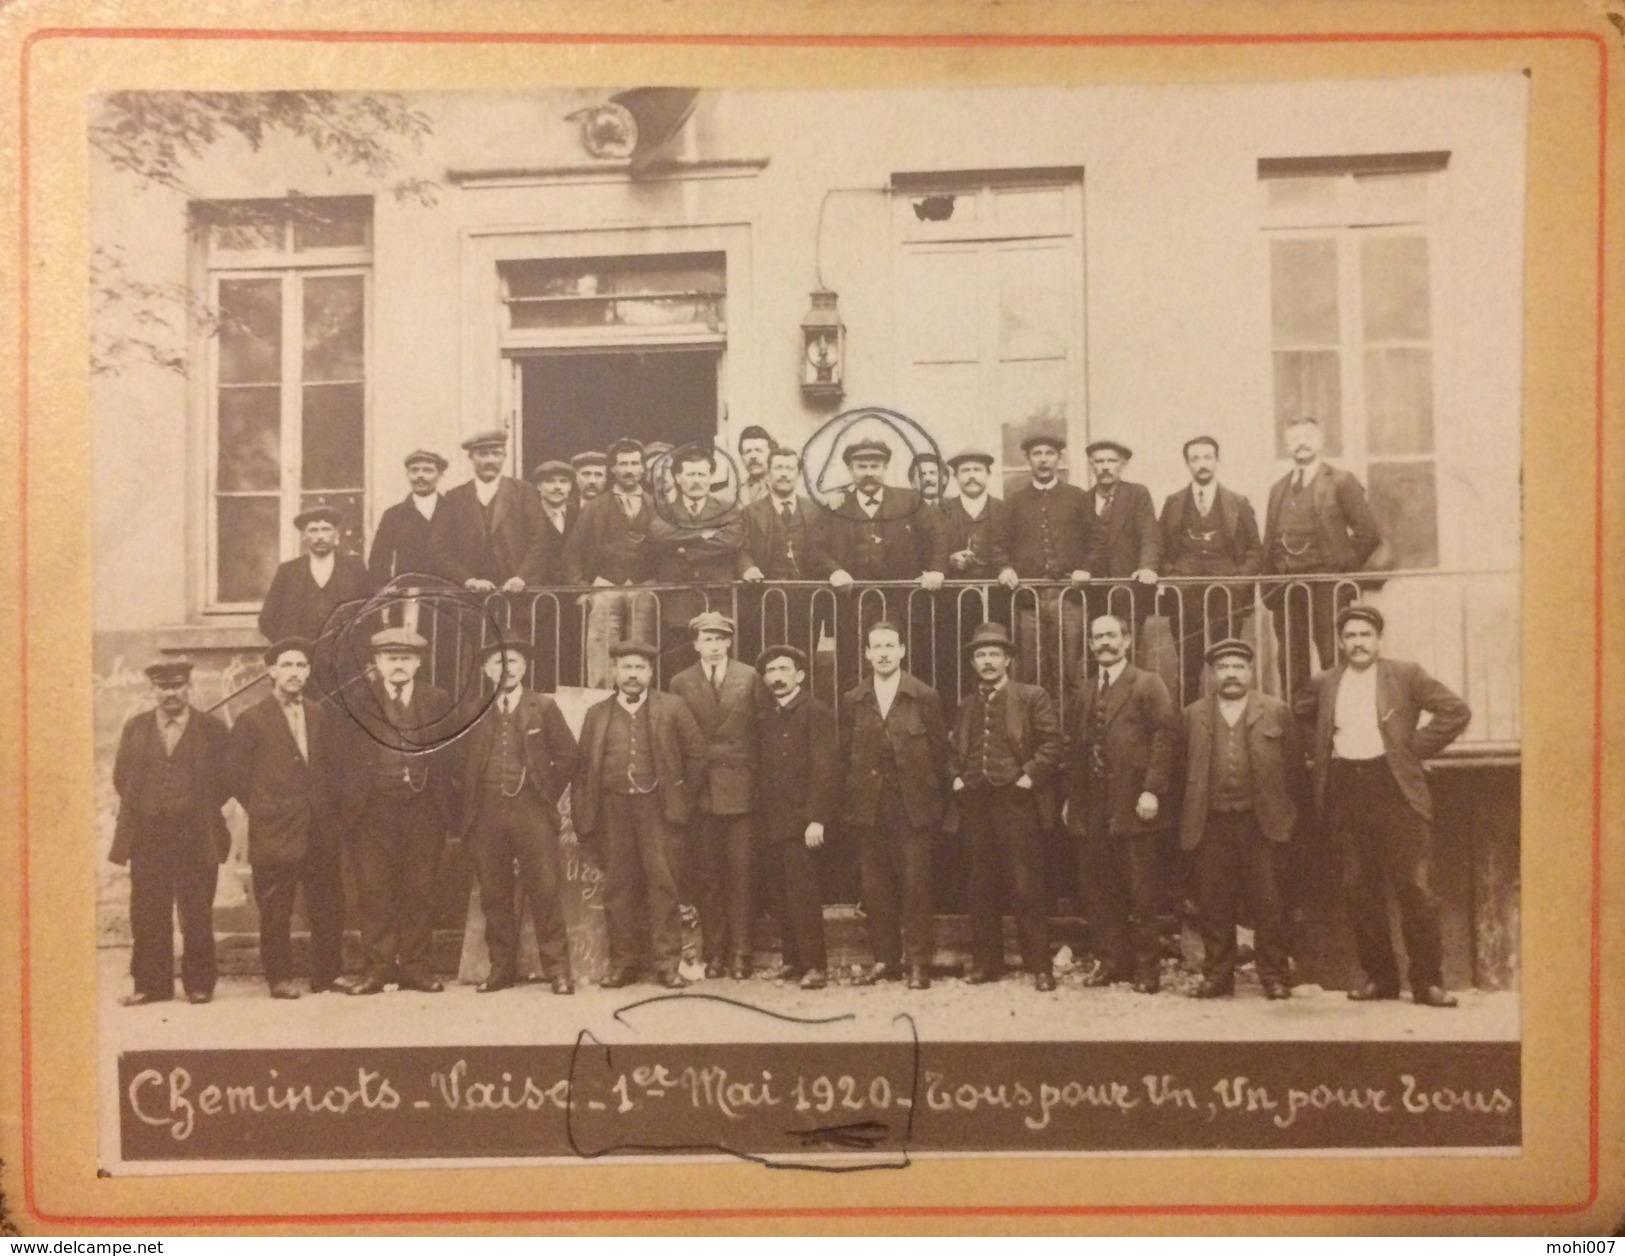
(973, 528)
(638, 780)
(170, 776)
(1049, 536)
(283, 761)
(518, 760)
(1369, 748)
(1242, 763)
(1127, 542)
(721, 694)
(798, 790)
(396, 806)
(1007, 748)
(306, 591)
(592, 474)
(400, 547)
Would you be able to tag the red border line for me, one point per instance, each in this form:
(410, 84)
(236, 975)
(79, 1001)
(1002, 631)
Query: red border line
(822, 41)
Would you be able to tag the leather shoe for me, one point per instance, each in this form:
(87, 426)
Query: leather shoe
(284, 990)
(814, 979)
(563, 985)
(1147, 986)
(1434, 996)
(492, 984)
(368, 985)
(1277, 990)
(199, 996)
(672, 980)
(1044, 983)
(714, 968)
(740, 971)
(1101, 975)
(140, 999)
(1371, 991)
(615, 980)
(423, 985)
(1214, 989)
(874, 973)
(917, 980)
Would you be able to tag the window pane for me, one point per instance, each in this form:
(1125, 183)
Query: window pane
(1405, 502)
(333, 434)
(334, 322)
(250, 331)
(1033, 320)
(247, 546)
(250, 438)
(330, 225)
(349, 507)
(1308, 386)
(1399, 401)
(1391, 196)
(1394, 280)
(1303, 291)
(1311, 192)
(241, 237)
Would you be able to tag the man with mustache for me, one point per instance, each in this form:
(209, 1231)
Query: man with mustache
(592, 474)
(607, 550)
(1007, 747)
(400, 547)
(1369, 748)
(1127, 544)
(308, 592)
(1241, 764)
(755, 448)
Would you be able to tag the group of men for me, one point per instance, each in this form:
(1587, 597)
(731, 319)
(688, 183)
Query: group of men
(743, 771)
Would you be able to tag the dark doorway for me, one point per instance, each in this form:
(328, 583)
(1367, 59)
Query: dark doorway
(578, 401)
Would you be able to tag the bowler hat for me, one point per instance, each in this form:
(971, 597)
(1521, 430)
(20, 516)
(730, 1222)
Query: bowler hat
(508, 641)
(426, 455)
(169, 672)
(275, 651)
(398, 639)
(483, 440)
(1115, 446)
(1360, 610)
(620, 649)
(316, 514)
(872, 448)
(1227, 647)
(711, 621)
(781, 652)
(991, 633)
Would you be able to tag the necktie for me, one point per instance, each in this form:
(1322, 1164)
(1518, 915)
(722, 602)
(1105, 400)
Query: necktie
(395, 697)
(1297, 480)
(1103, 503)
(788, 512)
(716, 680)
(1097, 731)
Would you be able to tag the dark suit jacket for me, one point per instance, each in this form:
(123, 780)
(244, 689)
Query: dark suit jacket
(584, 550)
(425, 747)
(1343, 519)
(518, 545)
(1274, 758)
(289, 802)
(899, 543)
(1072, 528)
(547, 749)
(985, 535)
(680, 754)
(780, 550)
(728, 723)
(141, 750)
(295, 606)
(799, 780)
(919, 741)
(400, 547)
(1232, 515)
(558, 542)
(681, 551)
(1404, 692)
(1127, 540)
(1141, 726)
(1034, 729)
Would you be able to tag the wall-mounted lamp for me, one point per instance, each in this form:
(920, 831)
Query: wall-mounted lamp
(824, 342)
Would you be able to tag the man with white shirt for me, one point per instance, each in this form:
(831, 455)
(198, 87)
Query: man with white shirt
(894, 756)
(490, 534)
(1207, 531)
(400, 547)
(555, 483)
(638, 780)
(1370, 745)
(607, 550)
(1241, 765)
(307, 592)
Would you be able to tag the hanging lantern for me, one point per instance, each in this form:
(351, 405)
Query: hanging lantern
(823, 360)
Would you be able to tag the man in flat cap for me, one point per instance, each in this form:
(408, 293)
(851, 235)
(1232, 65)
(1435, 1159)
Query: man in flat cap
(1318, 523)
(283, 766)
(1128, 544)
(396, 806)
(797, 800)
(1049, 536)
(1242, 766)
(1208, 531)
(1369, 747)
(607, 549)
(695, 543)
(170, 776)
(592, 474)
(490, 534)
(518, 760)
(638, 781)
(1121, 733)
(307, 592)
(755, 446)
(1007, 748)
(555, 483)
(721, 694)
(400, 547)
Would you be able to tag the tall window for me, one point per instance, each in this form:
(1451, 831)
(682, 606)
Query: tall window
(1352, 319)
(288, 290)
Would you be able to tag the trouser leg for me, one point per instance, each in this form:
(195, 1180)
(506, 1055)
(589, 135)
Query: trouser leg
(776, 892)
(1023, 875)
(623, 880)
(804, 904)
(1362, 840)
(378, 855)
(541, 868)
(978, 820)
(1105, 891)
(660, 850)
(274, 888)
(420, 853)
(324, 906)
(152, 897)
(1144, 852)
(913, 858)
(1216, 860)
(881, 894)
(707, 839)
(1407, 841)
(1265, 903)
(601, 622)
(739, 862)
(493, 866)
(194, 903)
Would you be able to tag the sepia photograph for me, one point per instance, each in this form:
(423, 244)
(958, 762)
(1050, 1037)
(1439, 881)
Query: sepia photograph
(816, 627)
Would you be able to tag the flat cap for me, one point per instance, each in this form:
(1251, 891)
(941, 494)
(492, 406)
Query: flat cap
(553, 467)
(626, 445)
(1115, 446)
(169, 672)
(991, 633)
(1360, 610)
(398, 639)
(316, 514)
(711, 621)
(1029, 443)
(873, 448)
(1229, 646)
(620, 649)
(772, 652)
(277, 649)
(972, 455)
(426, 455)
(483, 440)
(510, 641)
(589, 458)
